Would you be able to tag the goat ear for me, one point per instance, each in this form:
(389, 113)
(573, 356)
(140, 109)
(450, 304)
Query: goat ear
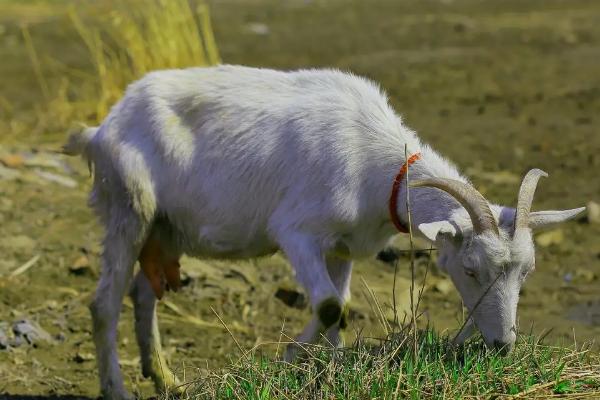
(543, 219)
(438, 229)
(506, 219)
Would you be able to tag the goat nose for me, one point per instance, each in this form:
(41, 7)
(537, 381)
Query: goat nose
(503, 347)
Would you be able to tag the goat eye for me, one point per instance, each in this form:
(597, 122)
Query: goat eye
(470, 272)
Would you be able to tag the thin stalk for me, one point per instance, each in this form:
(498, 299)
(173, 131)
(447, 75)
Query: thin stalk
(475, 307)
(412, 257)
(35, 62)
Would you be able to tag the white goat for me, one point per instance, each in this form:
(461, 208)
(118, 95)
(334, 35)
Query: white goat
(236, 162)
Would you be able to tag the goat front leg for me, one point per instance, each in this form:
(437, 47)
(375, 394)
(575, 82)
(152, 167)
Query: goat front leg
(147, 334)
(340, 272)
(308, 262)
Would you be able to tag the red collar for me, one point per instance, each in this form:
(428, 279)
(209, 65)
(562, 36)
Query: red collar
(393, 203)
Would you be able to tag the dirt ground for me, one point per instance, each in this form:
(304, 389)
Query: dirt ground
(498, 87)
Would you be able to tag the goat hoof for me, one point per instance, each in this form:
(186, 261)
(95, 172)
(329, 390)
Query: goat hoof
(329, 311)
(294, 353)
(291, 353)
(167, 383)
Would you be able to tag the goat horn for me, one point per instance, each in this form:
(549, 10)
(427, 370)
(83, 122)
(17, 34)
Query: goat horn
(473, 201)
(526, 193)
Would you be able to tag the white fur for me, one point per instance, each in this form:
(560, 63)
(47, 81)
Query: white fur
(236, 162)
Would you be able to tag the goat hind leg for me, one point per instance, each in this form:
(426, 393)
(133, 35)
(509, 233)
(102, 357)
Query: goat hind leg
(121, 247)
(148, 337)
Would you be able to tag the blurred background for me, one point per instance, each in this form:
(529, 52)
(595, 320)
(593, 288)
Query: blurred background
(496, 86)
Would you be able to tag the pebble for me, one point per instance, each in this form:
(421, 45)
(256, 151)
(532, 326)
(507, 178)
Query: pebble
(83, 357)
(30, 332)
(81, 266)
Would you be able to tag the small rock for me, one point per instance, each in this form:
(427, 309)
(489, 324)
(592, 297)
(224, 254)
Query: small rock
(31, 332)
(593, 212)
(444, 286)
(291, 298)
(568, 277)
(12, 160)
(553, 237)
(83, 357)
(81, 266)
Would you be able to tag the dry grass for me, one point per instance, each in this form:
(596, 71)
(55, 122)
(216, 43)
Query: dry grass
(124, 41)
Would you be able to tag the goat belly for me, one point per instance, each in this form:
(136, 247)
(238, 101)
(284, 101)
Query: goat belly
(221, 243)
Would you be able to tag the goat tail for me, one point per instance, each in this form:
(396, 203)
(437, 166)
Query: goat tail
(79, 141)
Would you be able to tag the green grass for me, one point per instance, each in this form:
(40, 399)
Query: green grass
(389, 370)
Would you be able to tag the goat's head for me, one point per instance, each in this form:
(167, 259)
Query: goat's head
(487, 256)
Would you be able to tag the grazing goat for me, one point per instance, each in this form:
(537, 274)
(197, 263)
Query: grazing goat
(236, 162)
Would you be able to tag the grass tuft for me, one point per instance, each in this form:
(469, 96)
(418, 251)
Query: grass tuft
(390, 370)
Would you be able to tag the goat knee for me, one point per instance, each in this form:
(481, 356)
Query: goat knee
(329, 311)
